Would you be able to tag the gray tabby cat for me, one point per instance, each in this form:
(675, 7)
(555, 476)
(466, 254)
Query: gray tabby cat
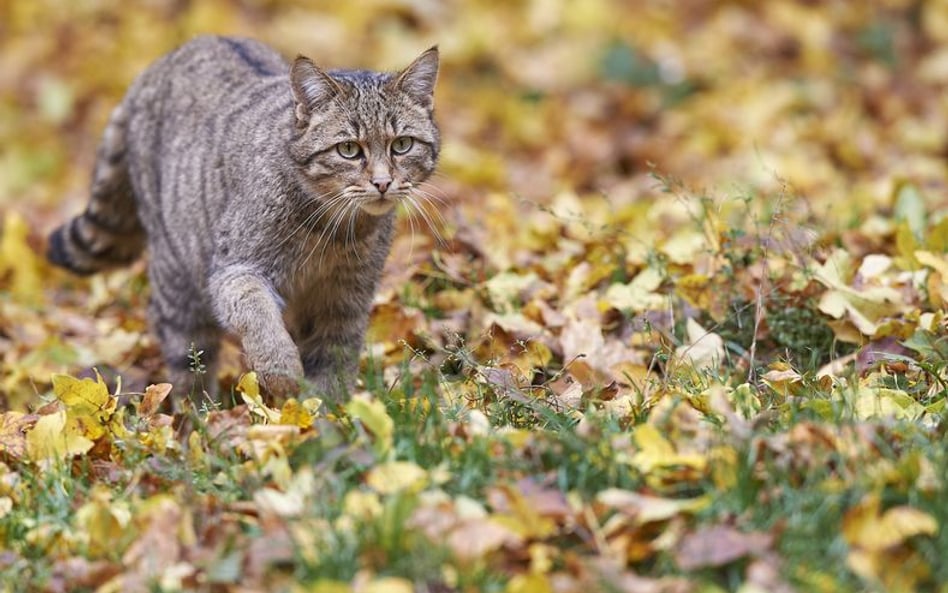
(265, 194)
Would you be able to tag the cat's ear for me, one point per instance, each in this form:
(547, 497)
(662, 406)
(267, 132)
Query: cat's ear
(418, 79)
(311, 87)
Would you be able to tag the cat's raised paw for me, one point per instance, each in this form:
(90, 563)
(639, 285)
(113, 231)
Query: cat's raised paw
(279, 386)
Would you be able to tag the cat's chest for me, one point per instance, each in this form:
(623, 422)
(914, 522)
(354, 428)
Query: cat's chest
(318, 268)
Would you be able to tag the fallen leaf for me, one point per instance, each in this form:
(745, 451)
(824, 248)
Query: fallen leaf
(396, 476)
(371, 412)
(151, 401)
(14, 427)
(49, 440)
(296, 414)
(249, 389)
(475, 538)
(868, 527)
(644, 508)
(718, 545)
(703, 349)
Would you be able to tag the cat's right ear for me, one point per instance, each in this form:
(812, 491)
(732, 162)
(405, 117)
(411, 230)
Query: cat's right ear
(311, 88)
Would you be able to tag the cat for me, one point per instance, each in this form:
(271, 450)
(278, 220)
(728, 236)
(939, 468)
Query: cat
(265, 194)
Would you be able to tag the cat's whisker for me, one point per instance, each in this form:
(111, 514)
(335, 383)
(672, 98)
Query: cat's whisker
(411, 226)
(351, 235)
(429, 198)
(427, 193)
(335, 207)
(333, 227)
(328, 233)
(413, 202)
(313, 217)
(434, 226)
(433, 191)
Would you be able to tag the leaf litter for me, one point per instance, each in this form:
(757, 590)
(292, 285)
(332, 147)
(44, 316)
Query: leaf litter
(684, 328)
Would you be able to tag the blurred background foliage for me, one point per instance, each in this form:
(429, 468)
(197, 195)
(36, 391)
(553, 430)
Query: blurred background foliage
(839, 99)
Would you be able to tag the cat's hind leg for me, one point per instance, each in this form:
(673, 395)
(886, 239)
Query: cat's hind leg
(189, 336)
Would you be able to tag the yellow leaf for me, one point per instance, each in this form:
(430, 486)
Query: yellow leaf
(85, 426)
(312, 405)
(906, 243)
(197, 457)
(639, 294)
(102, 520)
(49, 439)
(939, 263)
(685, 246)
(248, 384)
(865, 308)
(655, 451)
(85, 397)
(372, 414)
(282, 504)
(249, 390)
(523, 518)
(644, 508)
(530, 582)
(696, 289)
(18, 259)
(873, 402)
(326, 586)
(507, 289)
(6, 505)
(541, 557)
(389, 585)
(937, 239)
(866, 528)
(395, 476)
(362, 505)
(295, 414)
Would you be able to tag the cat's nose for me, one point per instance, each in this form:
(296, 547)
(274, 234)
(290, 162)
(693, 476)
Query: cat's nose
(382, 183)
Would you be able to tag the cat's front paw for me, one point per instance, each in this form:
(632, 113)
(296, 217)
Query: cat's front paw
(279, 385)
(278, 368)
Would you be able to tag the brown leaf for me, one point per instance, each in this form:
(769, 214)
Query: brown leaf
(154, 395)
(719, 545)
(157, 549)
(72, 574)
(13, 429)
(228, 428)
(474, 538)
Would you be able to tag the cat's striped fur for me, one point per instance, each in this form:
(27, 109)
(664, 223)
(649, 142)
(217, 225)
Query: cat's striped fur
(264, 193)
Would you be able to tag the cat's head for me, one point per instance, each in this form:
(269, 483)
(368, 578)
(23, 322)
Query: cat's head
(365, 139)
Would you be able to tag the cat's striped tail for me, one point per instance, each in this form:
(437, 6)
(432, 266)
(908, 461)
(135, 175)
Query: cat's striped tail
(108, 234)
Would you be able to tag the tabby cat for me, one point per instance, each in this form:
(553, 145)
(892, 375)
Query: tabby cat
(265, 194)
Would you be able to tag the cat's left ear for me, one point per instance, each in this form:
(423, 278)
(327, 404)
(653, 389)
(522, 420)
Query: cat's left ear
(419, 78)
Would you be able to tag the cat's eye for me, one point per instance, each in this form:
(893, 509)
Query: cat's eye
(402, 144)
(349, 149)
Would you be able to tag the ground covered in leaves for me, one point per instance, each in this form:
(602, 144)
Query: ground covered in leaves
(685, 329)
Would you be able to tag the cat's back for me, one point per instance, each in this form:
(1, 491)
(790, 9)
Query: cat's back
(206, 76)
(193, 127)
(210, 61)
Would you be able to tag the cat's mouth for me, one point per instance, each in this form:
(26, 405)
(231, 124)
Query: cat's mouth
(378, 206)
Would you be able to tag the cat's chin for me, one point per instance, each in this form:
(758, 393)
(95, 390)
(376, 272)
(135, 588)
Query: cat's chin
(378, 206)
